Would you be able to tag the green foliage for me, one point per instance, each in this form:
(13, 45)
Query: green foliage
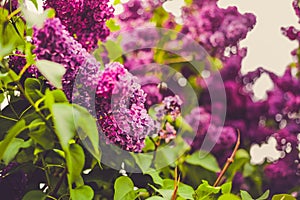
(111, 24)
(35, 195)
(283, 197)
(124, 189)
(82, 193)
(9, 138)
(228, 197)
(52, 71)
(12, 30)
(204, 159)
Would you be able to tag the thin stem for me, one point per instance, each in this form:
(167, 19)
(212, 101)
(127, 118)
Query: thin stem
(54, 165)
(8, 118)
(51, 197)
(176, 183)
(24, 70)
(64, 195)
(229, 160)
(25, 111)
(13, 13)
(60, 181)
(47, 172)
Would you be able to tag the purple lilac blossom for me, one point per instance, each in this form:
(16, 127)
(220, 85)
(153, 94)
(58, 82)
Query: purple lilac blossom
(85, 20)
(17, 62)
(124, 119)
(54, 43)
(216, 28)
(296, 6)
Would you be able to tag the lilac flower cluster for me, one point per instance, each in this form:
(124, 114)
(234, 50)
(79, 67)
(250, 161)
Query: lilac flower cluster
(170, 107)
(138, 13)
(120, 108)
(277, 116)
(200, 120)
(85, 20)
(216, 28)
(17, 62)
(11, 5)
(54, 43)
(296, 6)
(12, 182)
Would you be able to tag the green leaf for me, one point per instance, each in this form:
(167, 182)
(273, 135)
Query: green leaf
(42, 135)
(205, 160)
(52, 71)
(111, 24)
(155, 176)
(35, 195)
(83, 192)
(11, 35)
(226, 188)
(75, 162)
(12, 133)
(155, 198)
(54, 96)
(114, 50)
(264, 195)
(166, 156)
(33, 88)
(166, 193)
(184, 190)
(149, 145)
(13, 148)
(228, 197)
(143, 160)
(87, 130)
(283, 197)
(2, 97)
(8, 77)
(205, 190)
(116, 2)
(64, 123)
(216, 63)
(69, 119)
(124, 189)
(245, 195)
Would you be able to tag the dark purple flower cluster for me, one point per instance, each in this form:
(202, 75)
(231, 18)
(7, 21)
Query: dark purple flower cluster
(85, 20)
(120, 108)
(17, 62)
(53, 42)
(10, 5)
(12, 182)
(216, 28)
(291, 32)
(296, 6)
(200, 121)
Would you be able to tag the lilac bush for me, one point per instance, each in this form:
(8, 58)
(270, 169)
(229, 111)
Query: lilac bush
(79, 80)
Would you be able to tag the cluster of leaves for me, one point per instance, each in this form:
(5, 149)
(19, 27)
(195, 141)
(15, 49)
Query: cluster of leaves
(43, 133)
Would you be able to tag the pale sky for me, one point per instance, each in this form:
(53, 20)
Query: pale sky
(267, 47)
